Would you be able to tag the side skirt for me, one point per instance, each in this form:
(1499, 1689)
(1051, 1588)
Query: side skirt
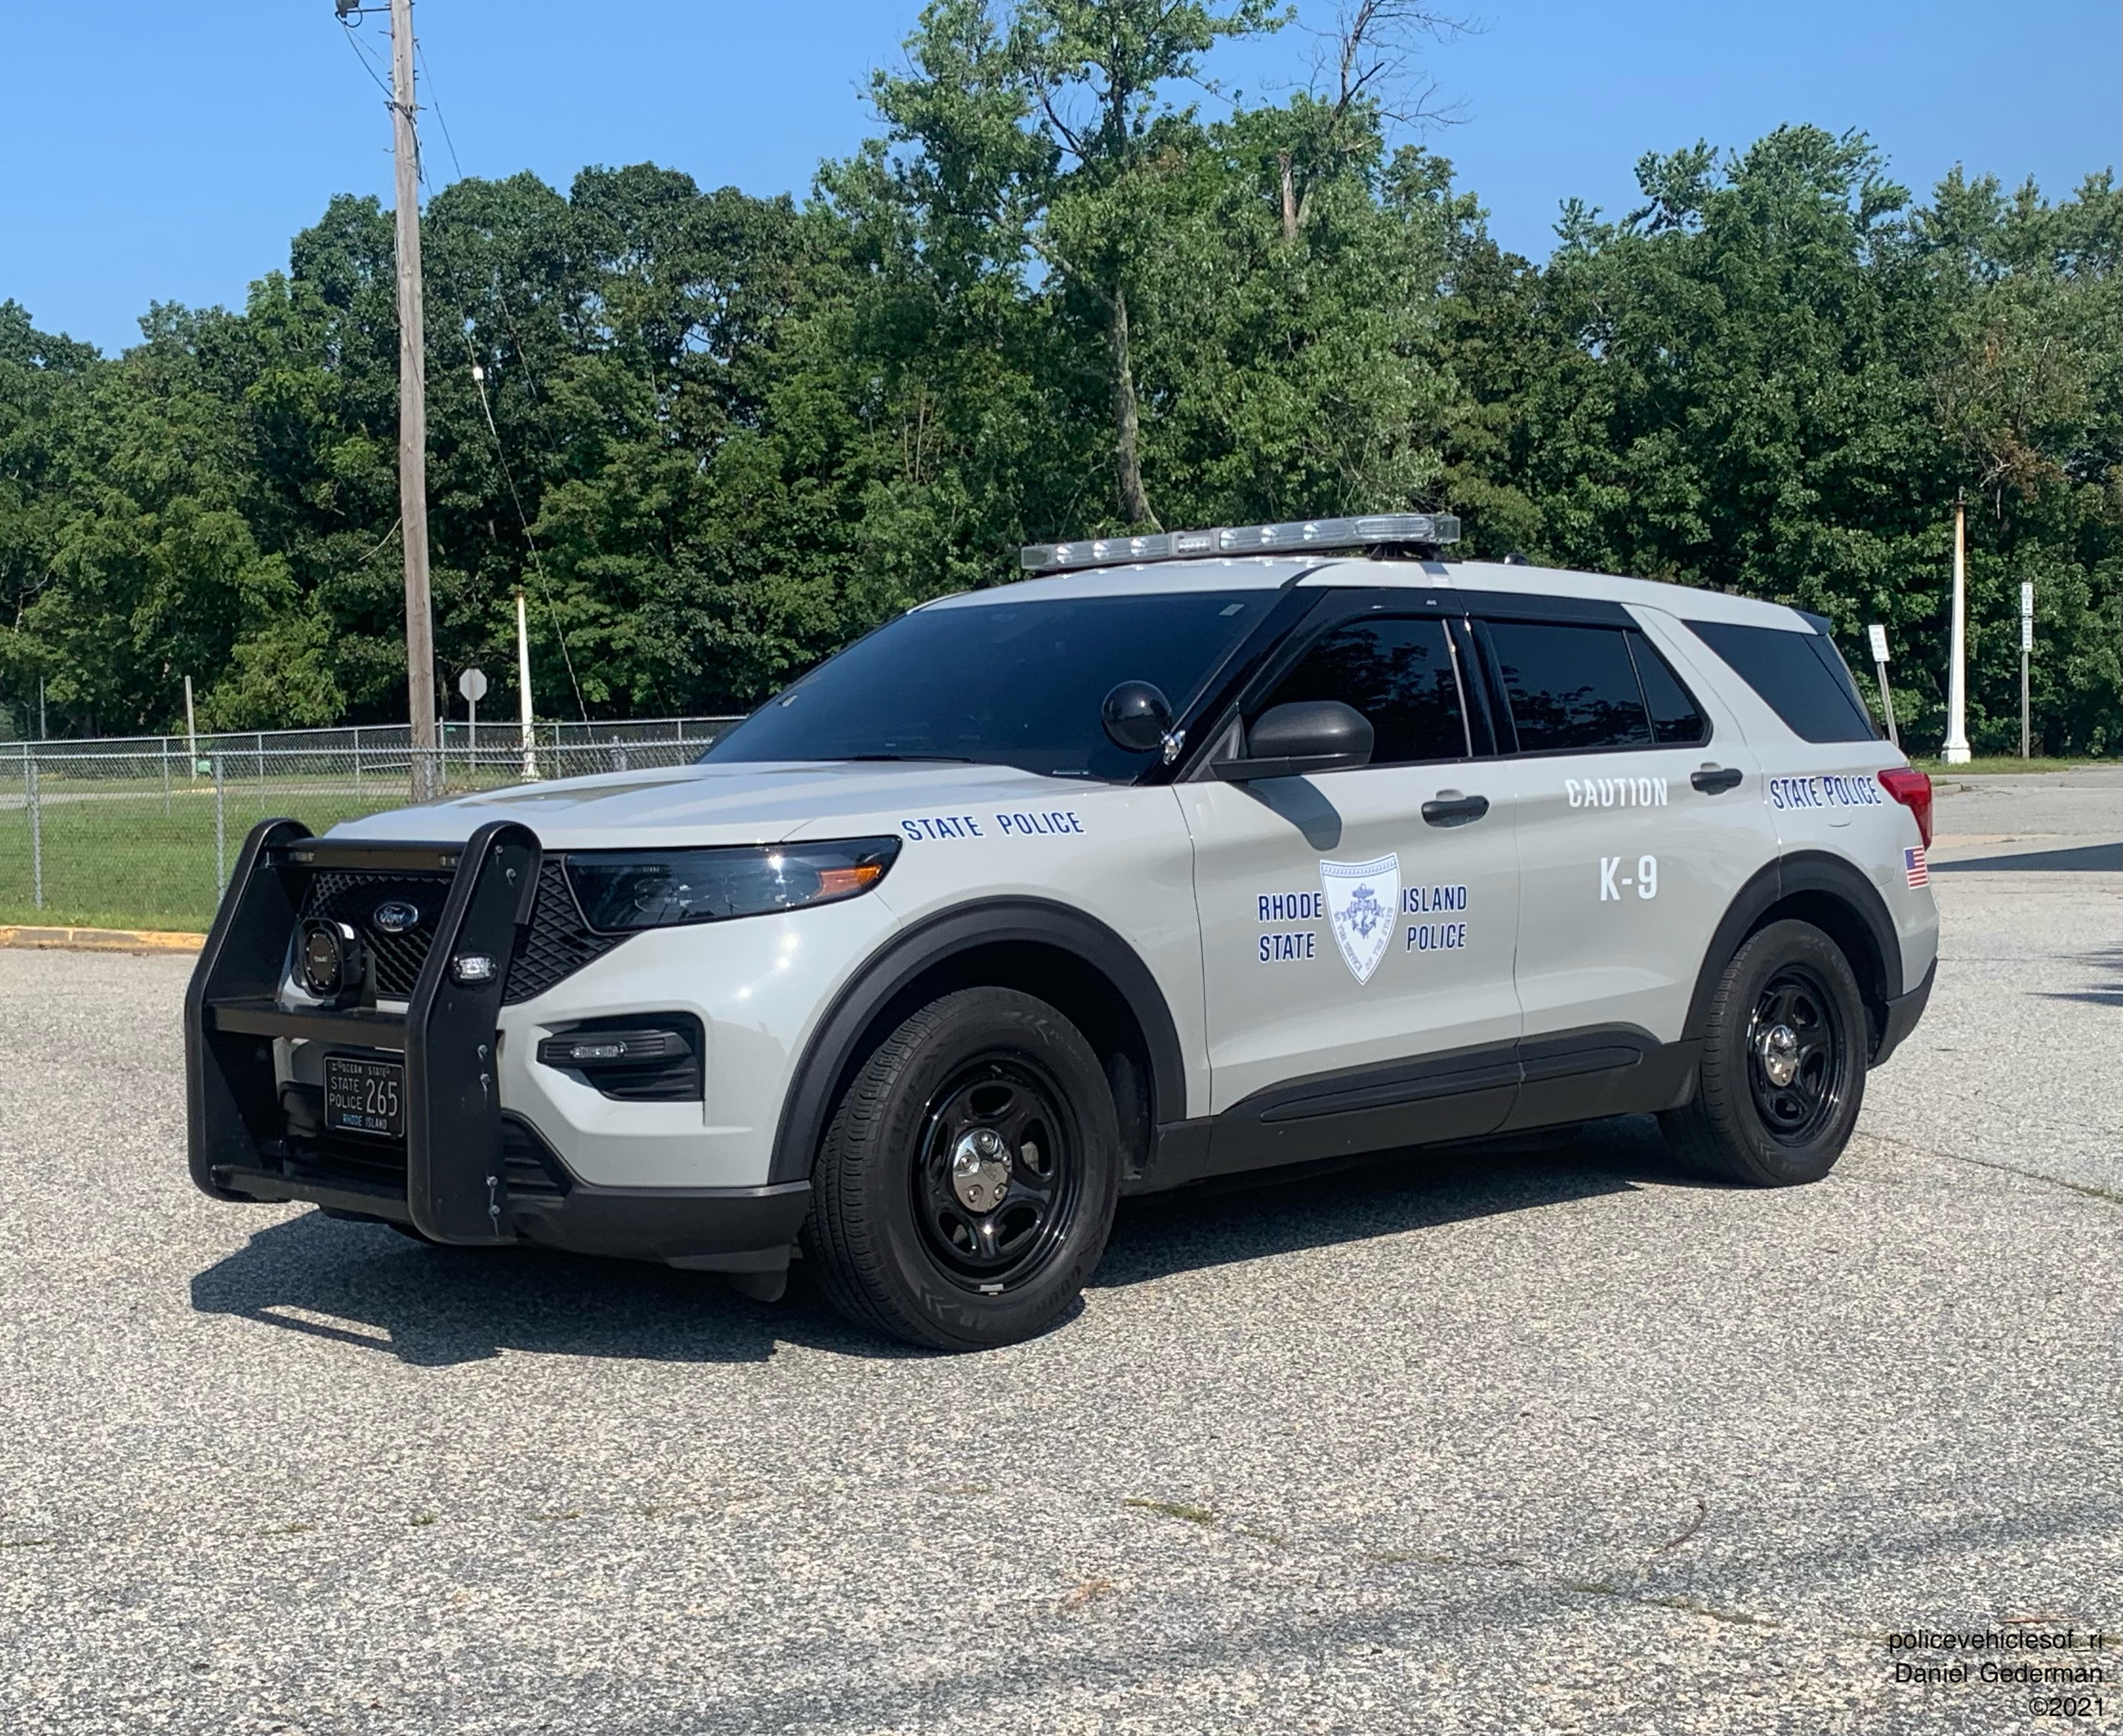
(1547, 1081)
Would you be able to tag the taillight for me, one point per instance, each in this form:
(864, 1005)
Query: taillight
(1912, 789)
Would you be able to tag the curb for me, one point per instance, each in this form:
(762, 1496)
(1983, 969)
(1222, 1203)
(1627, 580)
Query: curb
(102, 940)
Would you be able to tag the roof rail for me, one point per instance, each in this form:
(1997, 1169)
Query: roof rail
(1428, 530)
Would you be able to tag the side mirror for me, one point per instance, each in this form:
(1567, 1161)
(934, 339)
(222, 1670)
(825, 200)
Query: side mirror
(1297, 740)
(1136, 716)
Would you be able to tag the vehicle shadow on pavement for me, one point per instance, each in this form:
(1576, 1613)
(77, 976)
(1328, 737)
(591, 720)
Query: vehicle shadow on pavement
(1385, 1194)
(368, 1287)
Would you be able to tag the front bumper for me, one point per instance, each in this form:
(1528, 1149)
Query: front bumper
(467, 1170)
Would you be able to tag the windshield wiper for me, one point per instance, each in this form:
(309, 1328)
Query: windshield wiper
(952, 759)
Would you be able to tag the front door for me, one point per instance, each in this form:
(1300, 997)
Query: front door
(1355, 921)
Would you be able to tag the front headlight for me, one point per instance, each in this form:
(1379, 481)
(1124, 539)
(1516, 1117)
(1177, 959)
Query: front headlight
(623, 890)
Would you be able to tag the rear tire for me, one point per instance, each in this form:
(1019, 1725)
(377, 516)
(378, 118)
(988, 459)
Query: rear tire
(1782, 1074)
(964, 1190)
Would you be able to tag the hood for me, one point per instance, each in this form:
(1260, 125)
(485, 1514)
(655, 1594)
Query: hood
(766, 803)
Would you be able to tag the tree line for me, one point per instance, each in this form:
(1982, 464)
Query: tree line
(714, 436)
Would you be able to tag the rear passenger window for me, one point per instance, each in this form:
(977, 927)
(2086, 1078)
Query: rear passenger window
(1570, 688)
(1399, 673)
(1798, 675)
(1677, 721)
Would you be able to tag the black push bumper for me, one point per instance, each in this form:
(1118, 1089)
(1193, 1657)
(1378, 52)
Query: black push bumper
(466, 1171)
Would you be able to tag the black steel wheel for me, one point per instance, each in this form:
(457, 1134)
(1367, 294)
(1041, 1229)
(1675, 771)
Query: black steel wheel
(1001, 1174)
(965, 1188)
(1798, 1055)
(1782, 1072)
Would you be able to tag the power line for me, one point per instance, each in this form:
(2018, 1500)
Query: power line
(537, 560)
(435, 102)
(501, 299)
(361, 56)
(487, 410)
(389, 536)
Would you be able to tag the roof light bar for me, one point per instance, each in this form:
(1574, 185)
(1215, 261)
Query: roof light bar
(1316, 534)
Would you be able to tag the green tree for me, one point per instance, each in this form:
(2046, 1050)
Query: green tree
(1048, 134)
(712, 437)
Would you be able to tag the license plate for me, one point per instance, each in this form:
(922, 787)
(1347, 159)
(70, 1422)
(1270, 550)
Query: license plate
(363, 1096)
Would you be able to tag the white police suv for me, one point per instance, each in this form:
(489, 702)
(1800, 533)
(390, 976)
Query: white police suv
(1191, 855)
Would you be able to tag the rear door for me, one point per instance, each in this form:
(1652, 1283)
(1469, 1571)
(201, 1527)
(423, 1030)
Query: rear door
(1639, 818)
(1822, 756)
(1357, 919)
(1820, 768)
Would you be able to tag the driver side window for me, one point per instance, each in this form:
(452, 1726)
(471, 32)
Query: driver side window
(1397, 670)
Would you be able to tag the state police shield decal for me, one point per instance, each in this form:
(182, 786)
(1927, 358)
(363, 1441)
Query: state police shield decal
(1362, 898)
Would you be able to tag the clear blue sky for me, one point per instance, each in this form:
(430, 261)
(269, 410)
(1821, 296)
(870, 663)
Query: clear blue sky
(169, 152)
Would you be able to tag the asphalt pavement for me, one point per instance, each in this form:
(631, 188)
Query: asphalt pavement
(1544, 1437)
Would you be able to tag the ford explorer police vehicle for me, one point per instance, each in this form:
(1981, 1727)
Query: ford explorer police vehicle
(1188, 854)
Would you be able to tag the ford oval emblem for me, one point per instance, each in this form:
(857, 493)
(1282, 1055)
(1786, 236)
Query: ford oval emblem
(396, 917)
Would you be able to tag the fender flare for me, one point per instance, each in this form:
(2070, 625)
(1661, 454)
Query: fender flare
(1803, 871)
(814, 1086)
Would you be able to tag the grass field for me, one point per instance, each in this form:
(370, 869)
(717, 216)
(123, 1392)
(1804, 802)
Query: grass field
(120, 861)
(1998, 765)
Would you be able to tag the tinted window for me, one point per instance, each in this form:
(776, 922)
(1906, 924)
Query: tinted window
(1570, 688)
(1797, 674)
(1399, 673)
(1677, 721)
(1002, 684)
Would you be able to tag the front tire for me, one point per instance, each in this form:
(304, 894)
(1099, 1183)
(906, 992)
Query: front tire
(1782, 1075)
(964, 1190)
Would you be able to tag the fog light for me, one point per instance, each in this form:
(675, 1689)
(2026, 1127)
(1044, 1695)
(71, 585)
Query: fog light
(658, 1060)
(331, 959)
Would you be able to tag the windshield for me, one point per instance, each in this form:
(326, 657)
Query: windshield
(1001, 684)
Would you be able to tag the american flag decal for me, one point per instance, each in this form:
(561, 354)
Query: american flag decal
(1918, 869)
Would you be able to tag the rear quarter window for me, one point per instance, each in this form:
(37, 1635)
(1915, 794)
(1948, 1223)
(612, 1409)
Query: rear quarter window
(1798, 675)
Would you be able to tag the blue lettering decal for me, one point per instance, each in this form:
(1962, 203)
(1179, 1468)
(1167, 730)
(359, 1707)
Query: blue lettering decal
(1829, 790)
(941, 826)
(1291, 906)
(1024, 825)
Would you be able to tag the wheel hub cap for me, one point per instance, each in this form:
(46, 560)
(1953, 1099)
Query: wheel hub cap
(1779, 1048)
(980, 1170)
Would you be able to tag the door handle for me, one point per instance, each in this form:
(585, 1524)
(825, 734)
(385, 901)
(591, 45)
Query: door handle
(1452, 808)
(1714, 781)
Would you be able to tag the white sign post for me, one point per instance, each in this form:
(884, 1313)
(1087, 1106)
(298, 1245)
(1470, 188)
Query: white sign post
(472, 684)
(1877, 635)
(523, 686)
(2027, 651)
(1955, 750)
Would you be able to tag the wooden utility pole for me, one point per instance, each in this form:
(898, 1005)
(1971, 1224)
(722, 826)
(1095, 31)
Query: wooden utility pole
(413, 415)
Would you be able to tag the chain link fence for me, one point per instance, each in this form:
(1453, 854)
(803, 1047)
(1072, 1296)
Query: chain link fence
(142, 834)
